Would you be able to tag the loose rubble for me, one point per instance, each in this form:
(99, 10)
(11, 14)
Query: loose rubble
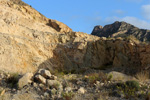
(98, 85)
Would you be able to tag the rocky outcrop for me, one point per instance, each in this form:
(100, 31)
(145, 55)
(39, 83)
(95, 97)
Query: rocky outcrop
(121, 29)
(29, 41)
(27, 38)
(100, 54)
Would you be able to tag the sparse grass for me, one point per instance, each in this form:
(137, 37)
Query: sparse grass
(103, 95)
(93, 77)
(133, 84)
(56, 86)
(19, 2)
(142, 76)
(57, 73)
(67, 95)
(128, 89)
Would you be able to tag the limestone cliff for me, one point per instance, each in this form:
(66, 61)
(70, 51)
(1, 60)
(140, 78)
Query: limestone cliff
(26, 36)
(29, 41)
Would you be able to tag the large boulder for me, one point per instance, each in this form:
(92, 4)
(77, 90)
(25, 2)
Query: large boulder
(25, 80)
(117, 76)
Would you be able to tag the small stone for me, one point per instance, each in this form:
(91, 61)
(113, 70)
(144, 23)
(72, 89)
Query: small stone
(40, 79)
(102, 84)
(41, 85)
(14, 89)
(68, 89)
(81, 90)
(45, 73)
(46, 94)
(53, 77)
(55, 84)
(25, 80)
(35, 84)
(97, 82)
(2, 93)
(52, 82)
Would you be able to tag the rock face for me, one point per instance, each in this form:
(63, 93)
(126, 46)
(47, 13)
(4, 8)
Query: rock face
(121, 29)
(26, 36)
(29, 41)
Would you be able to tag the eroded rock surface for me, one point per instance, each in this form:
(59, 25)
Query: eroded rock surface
(29, 41)
(121, 29)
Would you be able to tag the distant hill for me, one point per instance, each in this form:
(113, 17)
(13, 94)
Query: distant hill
(121, 29)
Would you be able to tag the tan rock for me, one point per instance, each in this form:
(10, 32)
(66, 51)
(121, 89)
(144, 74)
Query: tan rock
(2, 93)
(25, 80)
(81, 90)
(29, 41)
(120, 76)
(40, 79)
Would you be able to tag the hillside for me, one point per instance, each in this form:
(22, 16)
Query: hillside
(121, 29)
(44, 59)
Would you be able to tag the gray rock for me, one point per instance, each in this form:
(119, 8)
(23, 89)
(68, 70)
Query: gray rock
(121, 29)
(120, 76)
(54, 83)
(46, 94)
(45, 73)
(26, 79)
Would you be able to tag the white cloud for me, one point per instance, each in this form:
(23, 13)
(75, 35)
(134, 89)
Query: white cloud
(132, 20)
(119, 12)
(146, 11)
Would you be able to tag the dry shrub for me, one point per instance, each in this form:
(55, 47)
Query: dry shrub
(142, 76)
(93, 77)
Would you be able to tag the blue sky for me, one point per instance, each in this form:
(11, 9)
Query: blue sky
(83, 15)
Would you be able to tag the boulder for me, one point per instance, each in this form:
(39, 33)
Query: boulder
(25, 80)
(118, 76)
(45, 73)
(40, 79)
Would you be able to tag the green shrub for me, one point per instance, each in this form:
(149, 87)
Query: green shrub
(128, 89)
(67, 95)
(109, 77)
(133, 84)
(12, 81)
(93, 77)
